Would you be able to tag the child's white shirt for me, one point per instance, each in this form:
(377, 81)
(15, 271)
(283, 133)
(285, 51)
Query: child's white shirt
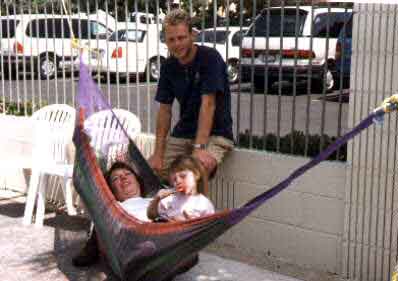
(174, 206)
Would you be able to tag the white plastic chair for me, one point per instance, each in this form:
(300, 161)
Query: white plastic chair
(50, 158)
(107, 137)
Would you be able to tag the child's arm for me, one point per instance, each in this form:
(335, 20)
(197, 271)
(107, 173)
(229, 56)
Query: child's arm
(152, 211)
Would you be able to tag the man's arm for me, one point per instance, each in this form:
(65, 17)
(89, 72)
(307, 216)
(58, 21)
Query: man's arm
(205, 124)
(163, 123)
(206, 115)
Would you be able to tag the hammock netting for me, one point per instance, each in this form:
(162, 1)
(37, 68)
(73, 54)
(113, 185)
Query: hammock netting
(143, 251)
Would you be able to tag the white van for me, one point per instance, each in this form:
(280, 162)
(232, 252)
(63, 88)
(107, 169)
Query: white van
(294, 42)
(146, 18)
(43, 43)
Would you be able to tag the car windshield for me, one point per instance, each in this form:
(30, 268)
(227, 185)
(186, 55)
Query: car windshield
(209, 36)
(129, 35)
(330, 24)
(347, 31)
(273, 21)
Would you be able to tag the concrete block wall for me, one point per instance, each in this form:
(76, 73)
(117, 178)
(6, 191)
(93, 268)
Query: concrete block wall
(303, 225)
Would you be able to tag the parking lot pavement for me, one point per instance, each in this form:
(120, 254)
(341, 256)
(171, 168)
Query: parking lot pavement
(30, 253)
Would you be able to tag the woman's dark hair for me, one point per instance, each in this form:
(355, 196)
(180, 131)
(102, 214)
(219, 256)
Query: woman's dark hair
(186, 162)
(122, 165)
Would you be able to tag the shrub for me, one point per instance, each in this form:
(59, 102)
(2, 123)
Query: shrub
(293, 143)
(19, 109)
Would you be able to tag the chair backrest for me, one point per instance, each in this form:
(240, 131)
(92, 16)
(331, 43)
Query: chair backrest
(107, 136)
(57, 123)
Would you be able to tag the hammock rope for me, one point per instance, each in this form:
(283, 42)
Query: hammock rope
(139, 251)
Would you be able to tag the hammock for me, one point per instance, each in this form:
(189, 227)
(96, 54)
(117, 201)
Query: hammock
(153, 251)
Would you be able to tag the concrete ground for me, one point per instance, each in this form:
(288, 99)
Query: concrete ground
(30, 253)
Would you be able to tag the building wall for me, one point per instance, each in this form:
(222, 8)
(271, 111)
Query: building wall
(369, 240)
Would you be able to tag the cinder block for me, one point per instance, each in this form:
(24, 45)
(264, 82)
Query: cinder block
(268, 169)
(285, 207)
(288, 243)
(323, 214)
(318, 250)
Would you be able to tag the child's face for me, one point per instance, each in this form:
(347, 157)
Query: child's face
(185, 182)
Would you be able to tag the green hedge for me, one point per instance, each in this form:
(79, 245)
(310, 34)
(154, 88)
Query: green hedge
(19, 109)
(299, 140)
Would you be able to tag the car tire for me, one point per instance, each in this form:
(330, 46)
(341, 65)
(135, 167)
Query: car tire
(48, 66)
(154, 69)
(233, 71)
(9, 72)
(319, 86)
(259, 84)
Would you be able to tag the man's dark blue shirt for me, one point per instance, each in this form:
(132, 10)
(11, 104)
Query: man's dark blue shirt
(206, 74)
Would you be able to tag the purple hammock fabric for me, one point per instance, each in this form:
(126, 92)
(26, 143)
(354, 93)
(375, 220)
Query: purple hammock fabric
(154, 251)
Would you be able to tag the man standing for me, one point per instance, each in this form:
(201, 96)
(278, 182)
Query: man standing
(196, 76)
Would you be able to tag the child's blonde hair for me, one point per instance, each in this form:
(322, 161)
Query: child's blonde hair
(186, 162)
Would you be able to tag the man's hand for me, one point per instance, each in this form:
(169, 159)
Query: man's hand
(205, 158)
(156, 162)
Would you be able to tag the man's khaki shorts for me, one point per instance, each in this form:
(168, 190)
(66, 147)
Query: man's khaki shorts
(216, 147)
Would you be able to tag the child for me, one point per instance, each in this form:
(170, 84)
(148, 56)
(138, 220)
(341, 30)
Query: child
(187, 200)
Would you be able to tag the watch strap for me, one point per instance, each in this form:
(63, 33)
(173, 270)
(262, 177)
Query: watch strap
(199, 146)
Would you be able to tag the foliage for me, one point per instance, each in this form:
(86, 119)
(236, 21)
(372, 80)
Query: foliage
(293, 143)
(201, 8)
(19, 109)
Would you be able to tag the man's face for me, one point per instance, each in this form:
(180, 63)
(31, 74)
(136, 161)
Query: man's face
(179, 41)
(124, 185)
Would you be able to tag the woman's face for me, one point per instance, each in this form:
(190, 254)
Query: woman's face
(185, 182)
(124, 184)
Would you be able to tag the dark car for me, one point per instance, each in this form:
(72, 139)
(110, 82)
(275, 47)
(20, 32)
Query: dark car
(343, 55)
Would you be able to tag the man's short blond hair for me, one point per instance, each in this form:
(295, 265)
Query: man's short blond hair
(178, 16)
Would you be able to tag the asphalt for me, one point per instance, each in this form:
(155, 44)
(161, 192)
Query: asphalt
(31, 253)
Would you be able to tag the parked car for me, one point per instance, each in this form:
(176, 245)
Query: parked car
(145, 18)
(227, 42)
(296, 41)
(43, 43)
(128, 52)
(343, 55)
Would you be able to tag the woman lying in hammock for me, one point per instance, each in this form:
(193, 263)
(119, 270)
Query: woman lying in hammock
(189, 180)
(126, 187)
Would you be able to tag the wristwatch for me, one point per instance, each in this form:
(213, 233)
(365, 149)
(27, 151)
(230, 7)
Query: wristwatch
(199, 146)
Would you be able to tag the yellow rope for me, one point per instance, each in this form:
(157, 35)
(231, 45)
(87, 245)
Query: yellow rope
(75, 41)
(391, 103)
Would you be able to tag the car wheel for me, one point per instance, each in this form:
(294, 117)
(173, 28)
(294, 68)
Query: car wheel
(9, 72)
(328, 85)
(233, 71)
(259, 84)
(48, 66)
(154, 69)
